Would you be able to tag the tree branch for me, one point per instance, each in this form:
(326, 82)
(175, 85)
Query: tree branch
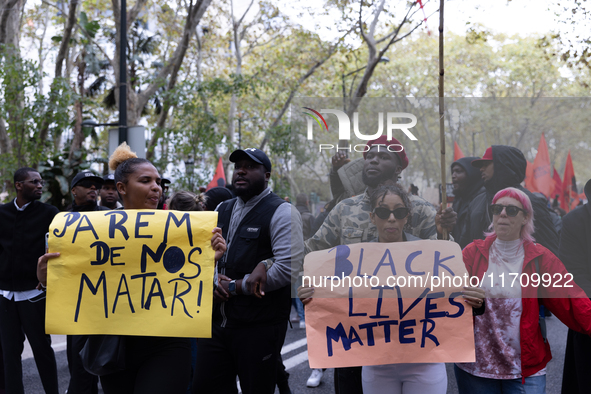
(135, 11)
(299, 83)
(65, 44)
(175, 61)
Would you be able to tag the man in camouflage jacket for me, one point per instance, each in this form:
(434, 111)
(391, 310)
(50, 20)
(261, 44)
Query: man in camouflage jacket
(349, 222)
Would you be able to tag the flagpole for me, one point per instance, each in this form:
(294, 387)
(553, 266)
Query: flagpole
(441, 119)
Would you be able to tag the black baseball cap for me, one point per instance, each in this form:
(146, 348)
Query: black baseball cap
(109, 178)
(86, 174)
(254, 154)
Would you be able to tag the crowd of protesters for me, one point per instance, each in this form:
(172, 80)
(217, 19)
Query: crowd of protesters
(259, 245)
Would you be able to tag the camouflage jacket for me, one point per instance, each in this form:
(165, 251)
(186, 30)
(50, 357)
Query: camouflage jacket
(349, 223)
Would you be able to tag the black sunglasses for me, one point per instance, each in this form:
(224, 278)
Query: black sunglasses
(87, 183)
(511, 210)
(384, 213)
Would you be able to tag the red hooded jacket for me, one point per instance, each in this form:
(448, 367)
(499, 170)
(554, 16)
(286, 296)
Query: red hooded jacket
(569, 304)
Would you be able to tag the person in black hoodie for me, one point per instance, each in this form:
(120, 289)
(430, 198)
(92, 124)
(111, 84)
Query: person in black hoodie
(85, 189)
(504, 166)
(575, 253)
(467, 184)
(24, 223)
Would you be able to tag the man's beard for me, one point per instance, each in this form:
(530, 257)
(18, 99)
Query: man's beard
(375, 182)
(109, 204)
(32, 196)
(254, 188)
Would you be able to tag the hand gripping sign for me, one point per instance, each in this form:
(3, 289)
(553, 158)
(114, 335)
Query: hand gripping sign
(384, 303)
(131, 272)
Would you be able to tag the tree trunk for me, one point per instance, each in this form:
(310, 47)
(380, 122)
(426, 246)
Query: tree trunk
(67, 36)
(10, 17)
(78, 135)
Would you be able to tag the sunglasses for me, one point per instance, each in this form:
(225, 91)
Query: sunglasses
(384, 213)
(87, 183)
(511, 210)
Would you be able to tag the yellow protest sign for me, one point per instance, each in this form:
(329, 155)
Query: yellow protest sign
(131, 272)
(386, 303)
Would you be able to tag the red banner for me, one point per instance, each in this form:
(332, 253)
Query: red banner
(542, 175)
(569, 186)
(219, 178)
(458, 154)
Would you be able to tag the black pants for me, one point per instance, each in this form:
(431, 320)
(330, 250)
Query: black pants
(348, 380)
(154, 365)
(576, 378)
(81, 382)
(18, 319)
(250, 353)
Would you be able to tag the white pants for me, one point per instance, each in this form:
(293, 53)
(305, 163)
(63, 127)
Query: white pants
(405, 379)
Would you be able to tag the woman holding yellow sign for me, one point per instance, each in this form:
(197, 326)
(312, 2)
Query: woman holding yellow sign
(152, 364)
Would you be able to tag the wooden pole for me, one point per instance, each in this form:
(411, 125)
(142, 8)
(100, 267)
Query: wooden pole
(441, 112)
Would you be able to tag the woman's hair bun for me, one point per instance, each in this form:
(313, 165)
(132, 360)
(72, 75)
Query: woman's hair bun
(121, 154)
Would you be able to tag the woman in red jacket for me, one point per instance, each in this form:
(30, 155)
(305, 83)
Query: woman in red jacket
(511, 353)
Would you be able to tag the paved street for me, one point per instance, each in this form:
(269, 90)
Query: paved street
(295, 357)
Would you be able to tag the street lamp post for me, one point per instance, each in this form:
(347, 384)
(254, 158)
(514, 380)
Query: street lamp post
(189, 166)
(123, 75)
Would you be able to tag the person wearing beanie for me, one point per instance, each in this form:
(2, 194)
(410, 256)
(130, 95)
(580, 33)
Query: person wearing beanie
(215, 196)
(467, 184)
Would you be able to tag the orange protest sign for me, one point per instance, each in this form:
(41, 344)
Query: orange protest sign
(379, 303)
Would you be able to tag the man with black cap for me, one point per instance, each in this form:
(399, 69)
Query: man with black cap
(250, 323)
(467, 184)
(504, 166)
(108, 193)
(85, 188)
(24, 223)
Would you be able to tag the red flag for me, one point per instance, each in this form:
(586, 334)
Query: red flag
(569, 186)
(557, 187)
(542, 176)
(219, 178)
(458, 154)
(529, 175)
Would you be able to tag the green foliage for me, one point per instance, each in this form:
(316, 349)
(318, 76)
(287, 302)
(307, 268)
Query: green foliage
(58, 172)
(28, 111)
